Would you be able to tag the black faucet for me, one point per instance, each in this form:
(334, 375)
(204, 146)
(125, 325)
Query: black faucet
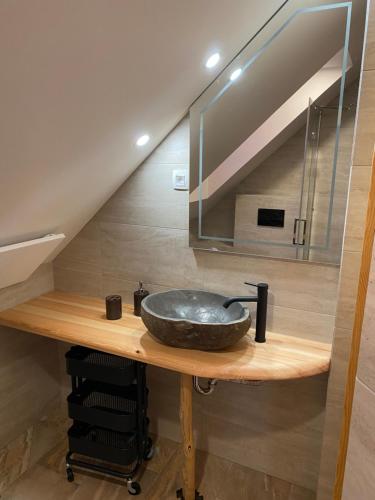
(261, 299)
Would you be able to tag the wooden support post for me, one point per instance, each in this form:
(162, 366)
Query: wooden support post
(186, 420)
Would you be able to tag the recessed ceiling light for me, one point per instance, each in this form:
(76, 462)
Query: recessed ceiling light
(213, 60)
(236, 73)
(141, 141)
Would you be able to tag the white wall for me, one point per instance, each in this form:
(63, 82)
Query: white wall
(80, 80)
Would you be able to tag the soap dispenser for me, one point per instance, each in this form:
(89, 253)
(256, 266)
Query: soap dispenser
(139, 295)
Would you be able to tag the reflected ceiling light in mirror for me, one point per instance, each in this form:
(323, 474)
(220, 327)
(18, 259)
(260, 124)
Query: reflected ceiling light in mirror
(213, 60)
(236, 73)
(141, 141)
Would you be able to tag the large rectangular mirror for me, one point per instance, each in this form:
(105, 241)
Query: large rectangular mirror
(271, 138)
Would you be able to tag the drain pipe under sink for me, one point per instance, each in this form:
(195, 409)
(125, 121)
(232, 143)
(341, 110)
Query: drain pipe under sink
(205, 391)
(212, 383)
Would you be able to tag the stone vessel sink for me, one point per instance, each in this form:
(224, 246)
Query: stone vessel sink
(194, 319)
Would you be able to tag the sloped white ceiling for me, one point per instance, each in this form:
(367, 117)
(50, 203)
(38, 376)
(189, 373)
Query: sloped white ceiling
(80, 80)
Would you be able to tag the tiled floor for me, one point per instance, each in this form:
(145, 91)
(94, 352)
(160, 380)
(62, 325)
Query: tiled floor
(218, 479)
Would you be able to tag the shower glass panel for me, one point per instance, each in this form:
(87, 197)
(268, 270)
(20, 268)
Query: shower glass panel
(314, 115)
(330, 176)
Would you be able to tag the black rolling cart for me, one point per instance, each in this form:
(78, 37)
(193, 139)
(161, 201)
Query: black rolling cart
(108, 405)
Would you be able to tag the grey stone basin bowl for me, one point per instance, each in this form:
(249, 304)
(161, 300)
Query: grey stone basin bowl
(194, 319)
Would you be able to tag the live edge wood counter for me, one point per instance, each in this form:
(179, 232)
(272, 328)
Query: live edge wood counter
(81, 320)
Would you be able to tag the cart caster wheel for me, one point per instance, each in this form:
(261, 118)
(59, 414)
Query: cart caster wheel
(150, 450)
(134, 488)
(70, 475)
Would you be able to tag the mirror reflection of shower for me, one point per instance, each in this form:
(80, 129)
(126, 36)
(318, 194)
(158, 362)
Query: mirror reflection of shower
(326, 202)
(271, 150)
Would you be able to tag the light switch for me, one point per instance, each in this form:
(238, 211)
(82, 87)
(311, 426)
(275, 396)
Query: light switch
(181, 180)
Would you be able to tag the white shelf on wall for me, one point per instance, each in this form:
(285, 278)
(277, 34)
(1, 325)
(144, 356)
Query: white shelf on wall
(20, 260)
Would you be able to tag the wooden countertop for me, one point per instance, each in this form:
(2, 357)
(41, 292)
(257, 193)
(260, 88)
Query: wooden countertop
(81, 320)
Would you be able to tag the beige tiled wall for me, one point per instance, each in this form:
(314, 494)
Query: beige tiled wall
(141, 234)
(360, 466)
(354, 231)
(29, 384)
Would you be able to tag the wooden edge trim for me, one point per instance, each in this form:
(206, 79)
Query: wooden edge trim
(356, 337)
